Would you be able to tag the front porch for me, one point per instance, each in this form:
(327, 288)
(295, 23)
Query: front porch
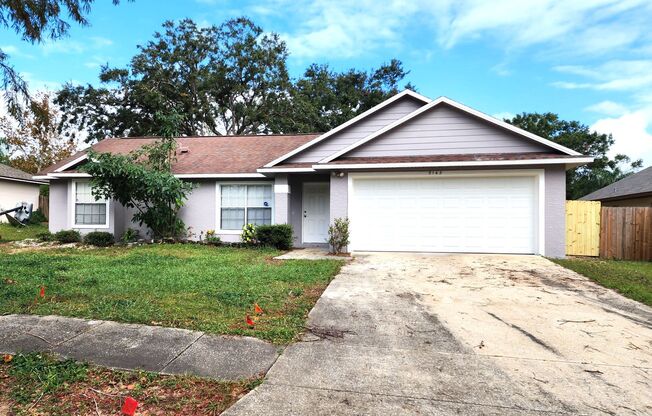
(309, 202)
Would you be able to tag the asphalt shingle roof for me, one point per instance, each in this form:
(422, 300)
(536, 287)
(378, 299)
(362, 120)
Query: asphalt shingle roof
(636, 184)
(13, 173)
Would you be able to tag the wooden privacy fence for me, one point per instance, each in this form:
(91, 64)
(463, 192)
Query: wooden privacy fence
(582, 228)
(44, 205)
(626, 233)
(611, 232)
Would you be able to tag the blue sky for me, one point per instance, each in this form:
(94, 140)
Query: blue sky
(589, 60)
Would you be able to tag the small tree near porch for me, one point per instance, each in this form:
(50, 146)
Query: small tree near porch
(143, 180)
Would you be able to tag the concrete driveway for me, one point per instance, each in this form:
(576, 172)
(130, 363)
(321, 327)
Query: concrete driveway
(463, 334)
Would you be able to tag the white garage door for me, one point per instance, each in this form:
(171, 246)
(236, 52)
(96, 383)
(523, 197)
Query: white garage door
(458, 214)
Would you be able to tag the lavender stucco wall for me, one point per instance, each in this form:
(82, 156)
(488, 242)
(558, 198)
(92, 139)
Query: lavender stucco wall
(555, 211)
(58, 206)
(339, 197)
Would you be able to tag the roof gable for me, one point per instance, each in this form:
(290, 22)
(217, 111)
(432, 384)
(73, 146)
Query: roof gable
(371, 120)
(512, 137)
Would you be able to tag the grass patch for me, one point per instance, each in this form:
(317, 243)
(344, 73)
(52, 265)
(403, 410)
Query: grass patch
(632, 279)
(182, 285)
(39, 384)
(10, 233)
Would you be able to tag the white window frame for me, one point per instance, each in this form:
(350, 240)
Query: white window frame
(218, 204)
(73, 208)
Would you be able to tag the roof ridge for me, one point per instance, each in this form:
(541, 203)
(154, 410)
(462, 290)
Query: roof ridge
(216, 136)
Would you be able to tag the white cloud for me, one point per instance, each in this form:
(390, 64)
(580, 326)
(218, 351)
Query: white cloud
(608, 108)
(613, 75)
(12, 50)
(630, 132)
(503, 115)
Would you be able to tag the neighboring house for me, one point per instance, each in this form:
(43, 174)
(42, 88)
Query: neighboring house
(17, 186)
(412, 174)
(633, 191)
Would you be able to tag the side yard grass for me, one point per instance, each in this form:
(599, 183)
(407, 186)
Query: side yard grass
(38, 384)
(629, 278)
(186, 286)
(10, 233)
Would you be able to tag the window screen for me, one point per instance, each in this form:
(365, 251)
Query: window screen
(88, 211)
(245, 204)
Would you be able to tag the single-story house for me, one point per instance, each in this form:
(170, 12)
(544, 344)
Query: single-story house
(17, 186)
(632, 191)
(411, 174)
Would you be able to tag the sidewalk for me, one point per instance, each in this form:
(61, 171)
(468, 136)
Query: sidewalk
(138, 347)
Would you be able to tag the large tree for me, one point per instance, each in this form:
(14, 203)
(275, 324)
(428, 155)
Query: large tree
(226, 79)
(35, 21)
(323, 99)
(579, 137)
(31, 141)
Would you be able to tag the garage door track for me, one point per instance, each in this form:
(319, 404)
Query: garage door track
(463, 334)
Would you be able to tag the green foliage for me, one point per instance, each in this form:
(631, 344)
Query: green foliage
(37, 375)
(130, 235)
(323, 99)
(143, 180)
(45, 236)
(37, 217)
(338, 235)
(190, 286)
(278, 236)
(211, 238)
(248, 235)
(99, 238)
(67, 236)
(579, 137)
(226, 79)
(44, 190)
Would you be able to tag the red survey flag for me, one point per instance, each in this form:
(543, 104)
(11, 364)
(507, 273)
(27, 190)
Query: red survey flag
(257, 308)
(129, 407)
(42, 292)
(250, 322)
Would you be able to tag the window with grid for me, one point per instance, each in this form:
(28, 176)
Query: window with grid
(88, 211)
(245, 204)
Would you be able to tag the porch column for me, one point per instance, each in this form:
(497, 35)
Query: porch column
(339, 196)
(281, 199)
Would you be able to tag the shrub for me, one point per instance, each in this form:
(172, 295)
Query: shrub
(248, 236)
(45, 236)
(67, 236)
(37, 217)
(211, 238)
(338, 235)
(99, 238)
(277, 236)
(130, 235)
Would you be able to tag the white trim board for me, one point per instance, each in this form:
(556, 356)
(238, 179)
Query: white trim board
(355, 119)
(180, 176)
(461, 107)
(357, 166)
(32, 181)
(72, 163)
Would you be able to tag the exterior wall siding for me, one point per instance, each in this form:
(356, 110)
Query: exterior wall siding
(444, 130)
(357, 131)
(199, 211)
(14, 192)
(58, 206)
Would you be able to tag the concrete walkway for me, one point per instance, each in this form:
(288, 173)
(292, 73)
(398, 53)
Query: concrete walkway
(138, 347)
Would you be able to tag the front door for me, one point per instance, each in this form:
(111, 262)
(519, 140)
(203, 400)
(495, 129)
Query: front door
(316, 214)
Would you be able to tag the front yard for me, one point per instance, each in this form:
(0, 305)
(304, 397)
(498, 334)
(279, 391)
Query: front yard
(629, 278)
(186, 286)
(10, 233)
(39, 385)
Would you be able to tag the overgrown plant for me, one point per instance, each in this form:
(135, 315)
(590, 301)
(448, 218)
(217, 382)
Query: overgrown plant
(248, 235)
(338, 235)
(143, 180)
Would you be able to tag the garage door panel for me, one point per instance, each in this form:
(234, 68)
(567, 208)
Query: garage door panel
(445, 214)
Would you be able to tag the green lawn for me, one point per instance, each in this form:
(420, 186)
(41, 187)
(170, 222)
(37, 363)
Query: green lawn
(35, 384)
(10, 233)
(630, 278)
(179, 285)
